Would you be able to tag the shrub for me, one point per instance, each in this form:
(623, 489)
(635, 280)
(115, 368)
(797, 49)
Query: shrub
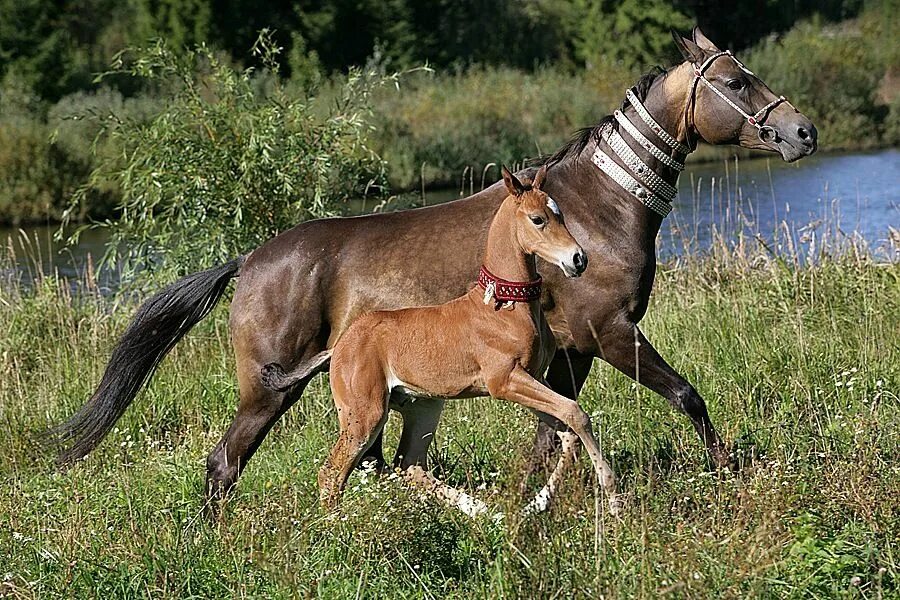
(472, 119)
(230, 161)
(36, 176)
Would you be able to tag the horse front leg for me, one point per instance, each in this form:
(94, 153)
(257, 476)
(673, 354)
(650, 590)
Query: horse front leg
(632, 354)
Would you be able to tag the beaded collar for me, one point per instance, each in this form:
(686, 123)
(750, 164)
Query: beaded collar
(638, 179)
(502, 291)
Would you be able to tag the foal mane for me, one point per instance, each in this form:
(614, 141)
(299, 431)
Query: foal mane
(578, 142)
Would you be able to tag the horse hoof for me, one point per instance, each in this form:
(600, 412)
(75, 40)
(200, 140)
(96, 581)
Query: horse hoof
(616, 505)
(723, 459)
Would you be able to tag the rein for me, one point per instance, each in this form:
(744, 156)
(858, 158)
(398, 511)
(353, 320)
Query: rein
(502, 291)
(639, 179)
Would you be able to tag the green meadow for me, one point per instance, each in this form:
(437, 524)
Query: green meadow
(799, 364)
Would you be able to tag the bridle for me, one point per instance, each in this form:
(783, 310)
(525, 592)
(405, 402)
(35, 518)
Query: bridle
(642, 182)
(766, 133)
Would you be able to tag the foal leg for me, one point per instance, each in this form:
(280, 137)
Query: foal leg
(567, 373)
(522, 388)
(652, 371)
(449, 495)
(362, 412)
(568, 455)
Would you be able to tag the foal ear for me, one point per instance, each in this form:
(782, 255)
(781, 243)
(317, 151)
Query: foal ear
(513, 185)
(689, 50)
(538, 182)
(702, 41)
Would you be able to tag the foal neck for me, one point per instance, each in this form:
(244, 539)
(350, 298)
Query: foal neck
(504, 256)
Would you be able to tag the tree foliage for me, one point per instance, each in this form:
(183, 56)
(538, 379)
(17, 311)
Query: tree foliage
(230, 161)
(55, 45)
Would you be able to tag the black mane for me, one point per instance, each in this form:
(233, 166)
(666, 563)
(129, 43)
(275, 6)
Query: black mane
(576, 145)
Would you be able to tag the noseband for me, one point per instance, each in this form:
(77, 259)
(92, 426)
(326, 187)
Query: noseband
(766, 133)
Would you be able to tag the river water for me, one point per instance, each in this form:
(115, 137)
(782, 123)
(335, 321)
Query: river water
(836, 195)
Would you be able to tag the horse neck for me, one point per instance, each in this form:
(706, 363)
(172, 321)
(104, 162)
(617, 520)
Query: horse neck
(504, 257)
(634, 225)
(666, 101)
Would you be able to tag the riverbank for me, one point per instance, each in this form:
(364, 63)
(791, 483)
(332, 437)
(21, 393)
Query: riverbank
(828, 198)
(799, 367)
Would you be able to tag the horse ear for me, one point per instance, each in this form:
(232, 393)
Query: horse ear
(702, 41)
(538, 182)
(689, 50)
(513, 185)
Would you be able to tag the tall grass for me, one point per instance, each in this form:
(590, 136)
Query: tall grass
(800, 366)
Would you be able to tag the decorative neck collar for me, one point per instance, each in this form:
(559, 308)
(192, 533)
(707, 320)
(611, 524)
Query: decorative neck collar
(502, 291)
(633, 174)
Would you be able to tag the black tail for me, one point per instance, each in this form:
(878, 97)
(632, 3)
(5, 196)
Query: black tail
(274, 378)
(158, 325)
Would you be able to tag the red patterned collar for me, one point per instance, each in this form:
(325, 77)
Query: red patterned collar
(507, 291)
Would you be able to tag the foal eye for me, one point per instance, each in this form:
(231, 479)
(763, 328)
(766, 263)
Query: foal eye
(735, 84)
(538, 221)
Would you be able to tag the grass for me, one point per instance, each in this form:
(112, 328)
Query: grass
(800, 366)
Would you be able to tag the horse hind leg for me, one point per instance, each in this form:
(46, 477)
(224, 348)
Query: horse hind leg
(258, 410)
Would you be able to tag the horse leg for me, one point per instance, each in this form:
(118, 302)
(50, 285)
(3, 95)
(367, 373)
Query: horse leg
(566, 376)
(373, 457)
(420, 420)
(653, 372)
(522, 388)
(258, 410)
(362, 415)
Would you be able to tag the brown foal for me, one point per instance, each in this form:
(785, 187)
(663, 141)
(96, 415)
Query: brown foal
(493, 340)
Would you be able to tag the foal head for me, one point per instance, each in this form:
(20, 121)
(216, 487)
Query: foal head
(539, 225)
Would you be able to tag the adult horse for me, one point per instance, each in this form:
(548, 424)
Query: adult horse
(298, 292)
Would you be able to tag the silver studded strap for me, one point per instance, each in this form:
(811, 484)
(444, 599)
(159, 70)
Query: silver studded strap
(646, 144)
(630, 184)
(655, 127)
(620, 148)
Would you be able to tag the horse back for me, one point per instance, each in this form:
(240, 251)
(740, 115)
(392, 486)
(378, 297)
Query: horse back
(307, 285)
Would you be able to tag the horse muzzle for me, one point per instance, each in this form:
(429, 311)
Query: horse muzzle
(793, 140)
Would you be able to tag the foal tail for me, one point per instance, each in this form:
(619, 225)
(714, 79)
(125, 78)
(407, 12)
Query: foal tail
(155, 329)
(275, 378)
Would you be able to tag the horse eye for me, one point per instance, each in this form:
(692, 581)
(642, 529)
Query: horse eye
(735, 84)
(537, 220)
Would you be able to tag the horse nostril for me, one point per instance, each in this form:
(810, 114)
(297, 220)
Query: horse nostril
(803, 133)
